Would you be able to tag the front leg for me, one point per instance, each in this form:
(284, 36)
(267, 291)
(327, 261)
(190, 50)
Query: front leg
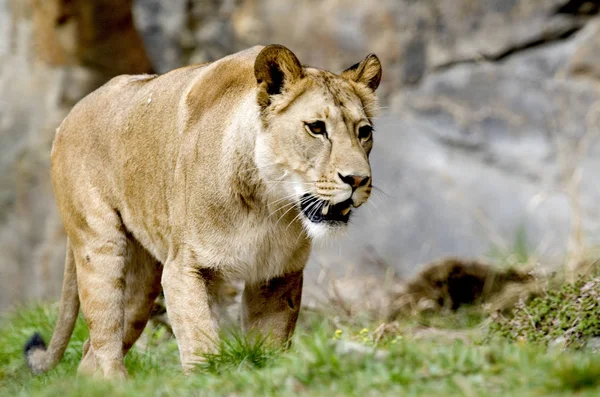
(187, 296)
(272, 307)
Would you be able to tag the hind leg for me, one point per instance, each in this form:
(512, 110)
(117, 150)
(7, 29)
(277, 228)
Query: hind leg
(100, 250)
(142, 279)
(88, 365)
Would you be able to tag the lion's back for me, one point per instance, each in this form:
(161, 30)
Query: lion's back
(123, 140)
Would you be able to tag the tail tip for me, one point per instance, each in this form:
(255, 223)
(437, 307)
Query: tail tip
(34, 343)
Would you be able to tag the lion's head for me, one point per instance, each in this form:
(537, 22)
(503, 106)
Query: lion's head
(313, 150)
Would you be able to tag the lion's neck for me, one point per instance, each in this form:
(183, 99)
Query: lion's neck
(245, 187)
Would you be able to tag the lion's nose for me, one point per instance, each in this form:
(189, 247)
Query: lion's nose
(354, 180)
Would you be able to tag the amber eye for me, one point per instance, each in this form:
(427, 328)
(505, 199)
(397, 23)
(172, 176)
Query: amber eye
(365, 132)
(317, 128)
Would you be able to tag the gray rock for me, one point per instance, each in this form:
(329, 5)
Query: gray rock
(559, 343)
(491, 123)
(593, 345)
(585, 61)
(5, 27)
(412, 37)
(474, 153)
(162, 24)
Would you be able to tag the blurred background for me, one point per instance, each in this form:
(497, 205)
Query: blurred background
(487, 144)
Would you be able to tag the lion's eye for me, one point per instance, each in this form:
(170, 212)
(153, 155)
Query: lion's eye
(365, 132)
(317, 128)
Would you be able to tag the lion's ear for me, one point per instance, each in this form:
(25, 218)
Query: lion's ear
(367, 72)
(275, 67)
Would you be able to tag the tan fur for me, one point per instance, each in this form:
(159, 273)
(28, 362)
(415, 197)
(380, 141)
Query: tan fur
(194, 177)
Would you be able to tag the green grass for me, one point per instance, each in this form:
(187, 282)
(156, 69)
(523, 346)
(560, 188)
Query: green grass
(314, 366)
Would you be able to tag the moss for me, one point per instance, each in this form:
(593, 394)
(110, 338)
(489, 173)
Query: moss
(570, 313)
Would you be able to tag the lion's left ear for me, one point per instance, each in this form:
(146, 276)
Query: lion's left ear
(367, 72)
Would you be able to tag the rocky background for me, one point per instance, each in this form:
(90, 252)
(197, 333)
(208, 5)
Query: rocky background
(489, 124)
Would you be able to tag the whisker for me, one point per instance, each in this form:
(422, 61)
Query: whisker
(319, 207)
(294, 182)
(284, 198)
(374, 204)
(302, 231)
(314, 208)
(285, 206)
(315, 205)
(291, 196)
(292, 207)
(275, 184)
(376, 188)
(373, 207)
(310, 210)
(377, 199)
(289, 209)
(296, 217)
(281, 208)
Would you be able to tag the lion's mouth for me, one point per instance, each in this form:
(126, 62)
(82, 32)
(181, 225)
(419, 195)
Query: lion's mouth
(318, 210)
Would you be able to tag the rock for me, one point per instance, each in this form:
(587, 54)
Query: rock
(5, 27)
(412, 38)
(51, 56)
(471, 155)
(162, 25)
(593, 345)
(490, 122)
(559, 343)
(585, 62)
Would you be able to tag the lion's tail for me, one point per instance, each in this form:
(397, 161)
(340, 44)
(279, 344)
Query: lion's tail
(40, 358)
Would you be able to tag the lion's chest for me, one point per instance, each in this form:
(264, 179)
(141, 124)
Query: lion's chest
(254, 250)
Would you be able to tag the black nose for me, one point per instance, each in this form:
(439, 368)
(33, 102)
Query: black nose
(354, 180)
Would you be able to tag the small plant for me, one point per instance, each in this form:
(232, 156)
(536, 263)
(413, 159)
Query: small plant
(380, 336)
(569, 314)
(238, 351)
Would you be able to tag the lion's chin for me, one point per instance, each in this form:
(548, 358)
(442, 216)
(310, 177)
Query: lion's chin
(324, 230)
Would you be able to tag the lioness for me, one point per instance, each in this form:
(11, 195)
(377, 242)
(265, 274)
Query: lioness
(208, 172)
